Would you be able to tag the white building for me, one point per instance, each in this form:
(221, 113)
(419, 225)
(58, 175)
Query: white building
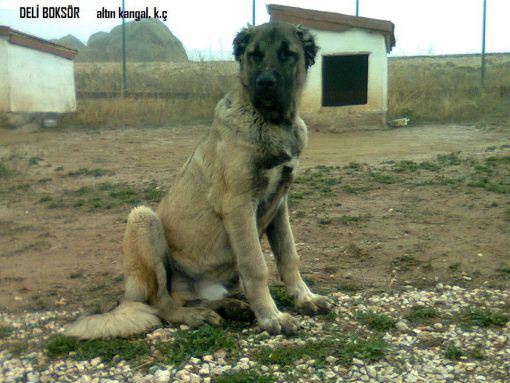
(347, 88)
(36, 75)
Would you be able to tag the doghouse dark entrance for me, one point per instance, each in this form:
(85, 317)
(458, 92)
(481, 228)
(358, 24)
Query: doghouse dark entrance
(344, 80)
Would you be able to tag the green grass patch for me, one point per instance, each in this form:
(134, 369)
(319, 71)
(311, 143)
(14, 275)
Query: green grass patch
(506, 215)
(76, 275)
(280, 297)
(495, 186)
(342, 347)
(454, 353)
(484, 318)
(105, 196)
(244, 377)
(34, 160)
(375, 321)
(4, 171)
(406, 262)
(349, 287)
(356, 189)
(451, 159)
(422, 315)
(343, 219)
(66, 347)
(85, 172)
(383, 178)
(5, 331)
(196, 343)
(411, 166)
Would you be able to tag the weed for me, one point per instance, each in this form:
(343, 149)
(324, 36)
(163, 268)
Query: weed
(406, 262)
(318, 179)
(4, 171)
(5, 331)
(422, 315)
(354, 166)
(91, 172)
(349, 287)
(449, 159)
(375, 321)
(342, 347)
(153, 193)
(202, 341)
(61, 346)
(300, 214)
(453, 352)
(244, 377)
(76, 275)
(349, 219)
(383, 178)
(34, 161)
(355, 189)
(506, 216)
(486, 184)
(411, 166)
(45, 198)
(477, 354)
(484, 318)
(280, 297)
(455, 266)
(106, 196)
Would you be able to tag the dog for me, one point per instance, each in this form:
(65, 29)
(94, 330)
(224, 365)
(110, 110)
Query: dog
(182, 261)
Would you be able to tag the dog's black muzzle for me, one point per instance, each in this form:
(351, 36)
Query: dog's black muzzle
(268, 96)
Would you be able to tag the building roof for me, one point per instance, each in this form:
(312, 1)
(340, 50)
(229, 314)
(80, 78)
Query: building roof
(330, 21)
(33, 42)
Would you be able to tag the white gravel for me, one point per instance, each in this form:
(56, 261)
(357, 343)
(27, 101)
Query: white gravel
(416, 353)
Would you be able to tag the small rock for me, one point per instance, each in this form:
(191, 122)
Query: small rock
(208, 358)
(204, 370)
(402, 326)
(95, 362)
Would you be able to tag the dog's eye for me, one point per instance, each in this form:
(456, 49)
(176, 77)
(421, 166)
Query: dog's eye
(286, 55)
(256, 56)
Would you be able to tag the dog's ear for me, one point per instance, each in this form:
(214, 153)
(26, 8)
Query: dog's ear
(309, 46)
(241, 41)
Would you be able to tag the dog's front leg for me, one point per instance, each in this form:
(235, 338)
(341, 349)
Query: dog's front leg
(282, 243)
(241, 227)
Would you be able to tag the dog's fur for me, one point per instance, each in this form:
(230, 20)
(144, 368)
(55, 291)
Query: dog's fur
(204, 239)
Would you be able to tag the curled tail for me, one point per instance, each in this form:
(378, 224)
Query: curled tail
(126, 319)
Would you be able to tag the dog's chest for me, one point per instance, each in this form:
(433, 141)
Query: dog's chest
(275, 183)
(279, 177)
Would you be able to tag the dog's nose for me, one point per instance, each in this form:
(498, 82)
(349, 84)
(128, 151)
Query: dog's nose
(266, 80)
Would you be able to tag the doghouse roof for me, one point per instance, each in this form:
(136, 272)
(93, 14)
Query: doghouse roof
(330, 21)
(33, 42)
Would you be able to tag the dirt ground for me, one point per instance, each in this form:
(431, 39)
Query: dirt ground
(371, 210)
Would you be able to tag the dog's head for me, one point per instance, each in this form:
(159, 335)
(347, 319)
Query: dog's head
(274, 59)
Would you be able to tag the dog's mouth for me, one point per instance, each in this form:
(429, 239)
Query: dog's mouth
(267, 102)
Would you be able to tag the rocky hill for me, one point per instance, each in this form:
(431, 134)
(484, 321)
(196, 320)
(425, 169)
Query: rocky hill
(146, 40)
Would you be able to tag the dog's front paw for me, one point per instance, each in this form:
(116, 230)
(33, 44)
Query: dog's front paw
(313, 304)
(281, 323)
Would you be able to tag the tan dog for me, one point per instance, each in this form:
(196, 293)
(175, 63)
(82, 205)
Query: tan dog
(204, 238)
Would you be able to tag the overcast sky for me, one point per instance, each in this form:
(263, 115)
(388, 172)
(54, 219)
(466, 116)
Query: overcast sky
(207, 27)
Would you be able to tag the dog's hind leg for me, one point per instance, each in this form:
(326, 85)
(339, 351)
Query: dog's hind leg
(145, 254)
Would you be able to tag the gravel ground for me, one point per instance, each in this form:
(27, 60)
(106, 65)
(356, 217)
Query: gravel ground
(415, 352)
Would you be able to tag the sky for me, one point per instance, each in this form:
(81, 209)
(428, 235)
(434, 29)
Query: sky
(206, 27)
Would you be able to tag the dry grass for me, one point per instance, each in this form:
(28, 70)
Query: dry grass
(448, 88)
(424, 89)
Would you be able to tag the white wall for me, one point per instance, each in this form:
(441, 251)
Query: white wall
(40, 82)
(352, 41)
(4, 81)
